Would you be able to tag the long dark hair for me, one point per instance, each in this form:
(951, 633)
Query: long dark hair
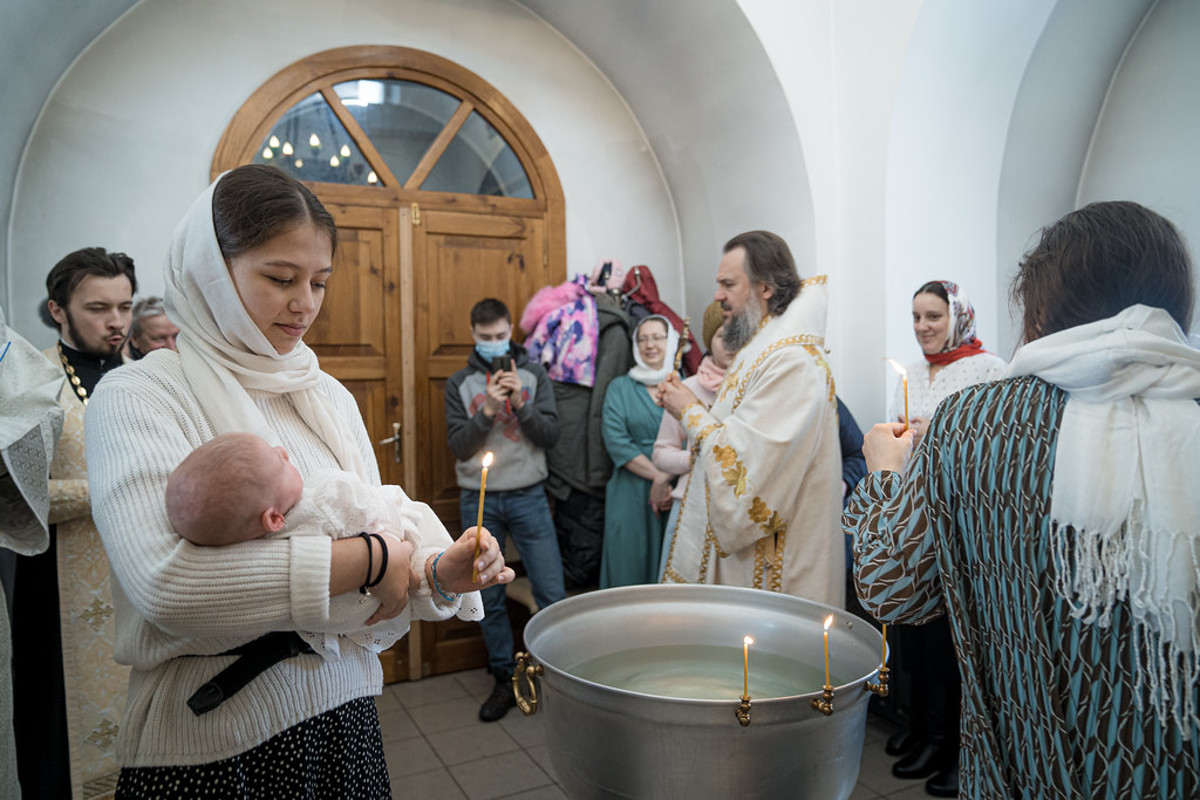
(1097, 261)
(256, 202)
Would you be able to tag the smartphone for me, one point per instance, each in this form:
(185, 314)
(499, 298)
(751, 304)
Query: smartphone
(502, 364)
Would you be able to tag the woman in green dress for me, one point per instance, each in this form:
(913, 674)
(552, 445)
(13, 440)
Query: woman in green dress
(638, 494)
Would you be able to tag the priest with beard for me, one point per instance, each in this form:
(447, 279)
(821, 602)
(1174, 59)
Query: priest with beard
(763, 502)
(69, 692)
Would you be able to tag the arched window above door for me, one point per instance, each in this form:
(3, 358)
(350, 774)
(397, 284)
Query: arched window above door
(385, 128)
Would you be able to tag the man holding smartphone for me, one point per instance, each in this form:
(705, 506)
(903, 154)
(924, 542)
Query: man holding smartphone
(503, 403)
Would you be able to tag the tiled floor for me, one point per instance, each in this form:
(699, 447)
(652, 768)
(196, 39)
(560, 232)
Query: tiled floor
(437, 748)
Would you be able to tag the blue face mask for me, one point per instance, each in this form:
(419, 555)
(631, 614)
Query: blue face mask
(489, 350)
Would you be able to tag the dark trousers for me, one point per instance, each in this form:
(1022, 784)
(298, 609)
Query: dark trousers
(523, 514)
(927, 653)
(39, 697)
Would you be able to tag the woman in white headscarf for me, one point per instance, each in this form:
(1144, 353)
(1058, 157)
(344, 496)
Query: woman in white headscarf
(222, 698)
(638, 494)
(1052, 516)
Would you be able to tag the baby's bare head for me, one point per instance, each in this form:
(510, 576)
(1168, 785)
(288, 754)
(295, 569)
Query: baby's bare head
(224, 491)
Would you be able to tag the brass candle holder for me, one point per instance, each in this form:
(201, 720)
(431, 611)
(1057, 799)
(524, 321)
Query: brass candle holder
(880, 688)
(742, 712)
(825, 703)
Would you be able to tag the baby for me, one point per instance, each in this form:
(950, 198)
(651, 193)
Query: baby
(237, 487)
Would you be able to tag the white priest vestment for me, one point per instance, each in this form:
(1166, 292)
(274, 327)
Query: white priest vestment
(763, 504)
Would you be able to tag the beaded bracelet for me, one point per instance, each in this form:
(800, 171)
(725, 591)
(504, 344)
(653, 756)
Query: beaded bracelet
(449, 598)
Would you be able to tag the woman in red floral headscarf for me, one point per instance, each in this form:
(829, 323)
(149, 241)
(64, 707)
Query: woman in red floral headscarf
(944, 324)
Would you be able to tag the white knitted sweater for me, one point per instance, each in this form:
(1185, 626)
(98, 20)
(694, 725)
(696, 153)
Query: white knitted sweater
(174, 600)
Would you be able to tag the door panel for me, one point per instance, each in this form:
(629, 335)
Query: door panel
(459, 259)
(357, 335)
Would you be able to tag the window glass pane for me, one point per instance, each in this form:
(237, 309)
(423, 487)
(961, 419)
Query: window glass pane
(310, 142)
(479, 161)
(401, 118)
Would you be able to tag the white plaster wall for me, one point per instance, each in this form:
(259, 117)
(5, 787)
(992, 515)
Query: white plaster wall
(1053, 123)
(124, 143)
(1144, 147)
(714, 112)
(840, 64)
(955, 99)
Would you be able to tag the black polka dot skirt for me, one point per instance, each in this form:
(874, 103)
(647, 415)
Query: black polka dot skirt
(338, 754)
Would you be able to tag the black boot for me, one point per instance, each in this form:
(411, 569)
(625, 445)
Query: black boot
(900, 743)
(501, 699)
(945, 783)
(926, 759)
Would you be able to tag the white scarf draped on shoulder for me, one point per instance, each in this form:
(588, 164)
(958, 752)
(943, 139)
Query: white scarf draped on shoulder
(1125, 471)
(224, 353)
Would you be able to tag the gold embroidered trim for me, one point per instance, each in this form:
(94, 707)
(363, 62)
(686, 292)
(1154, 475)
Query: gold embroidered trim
(760, 558)
(815, 280)
(732, 376)
(96, 614)
(732, 470)
(705, 431)
(819, 356)
(768, 520)
(801, 339)
(104, 734)
(777, 572)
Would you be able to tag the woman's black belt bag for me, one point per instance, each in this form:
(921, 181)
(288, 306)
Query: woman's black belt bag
(254, 658)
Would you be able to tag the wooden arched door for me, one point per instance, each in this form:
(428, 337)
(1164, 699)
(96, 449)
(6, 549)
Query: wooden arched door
(443, 195)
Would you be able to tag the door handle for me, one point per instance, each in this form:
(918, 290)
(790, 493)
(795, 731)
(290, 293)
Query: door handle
(394, 441)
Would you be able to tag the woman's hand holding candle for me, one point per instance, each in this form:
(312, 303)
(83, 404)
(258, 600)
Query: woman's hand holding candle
(887, 446)
(459, 565)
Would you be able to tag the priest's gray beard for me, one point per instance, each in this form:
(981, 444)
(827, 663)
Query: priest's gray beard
(741, 328)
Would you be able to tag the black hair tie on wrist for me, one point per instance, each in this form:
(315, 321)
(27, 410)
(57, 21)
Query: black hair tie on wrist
(366, 537)
(383, 564)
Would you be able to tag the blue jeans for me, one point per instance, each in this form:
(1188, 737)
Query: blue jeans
(524, 513)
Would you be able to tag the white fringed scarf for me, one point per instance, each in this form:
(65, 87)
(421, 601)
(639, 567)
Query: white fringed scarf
(1125, 472)
(224, 353)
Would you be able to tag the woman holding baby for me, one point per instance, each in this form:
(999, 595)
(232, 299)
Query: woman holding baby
(246, 277)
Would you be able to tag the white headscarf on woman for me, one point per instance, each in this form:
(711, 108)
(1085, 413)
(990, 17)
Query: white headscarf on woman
(224, 353)
(641, 372)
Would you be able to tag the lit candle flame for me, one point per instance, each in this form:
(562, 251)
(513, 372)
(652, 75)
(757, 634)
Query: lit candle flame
(747, 640)
(896, 365)
(487, 459)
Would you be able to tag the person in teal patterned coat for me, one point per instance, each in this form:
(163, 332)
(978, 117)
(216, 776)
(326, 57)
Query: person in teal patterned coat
(1052, 515)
